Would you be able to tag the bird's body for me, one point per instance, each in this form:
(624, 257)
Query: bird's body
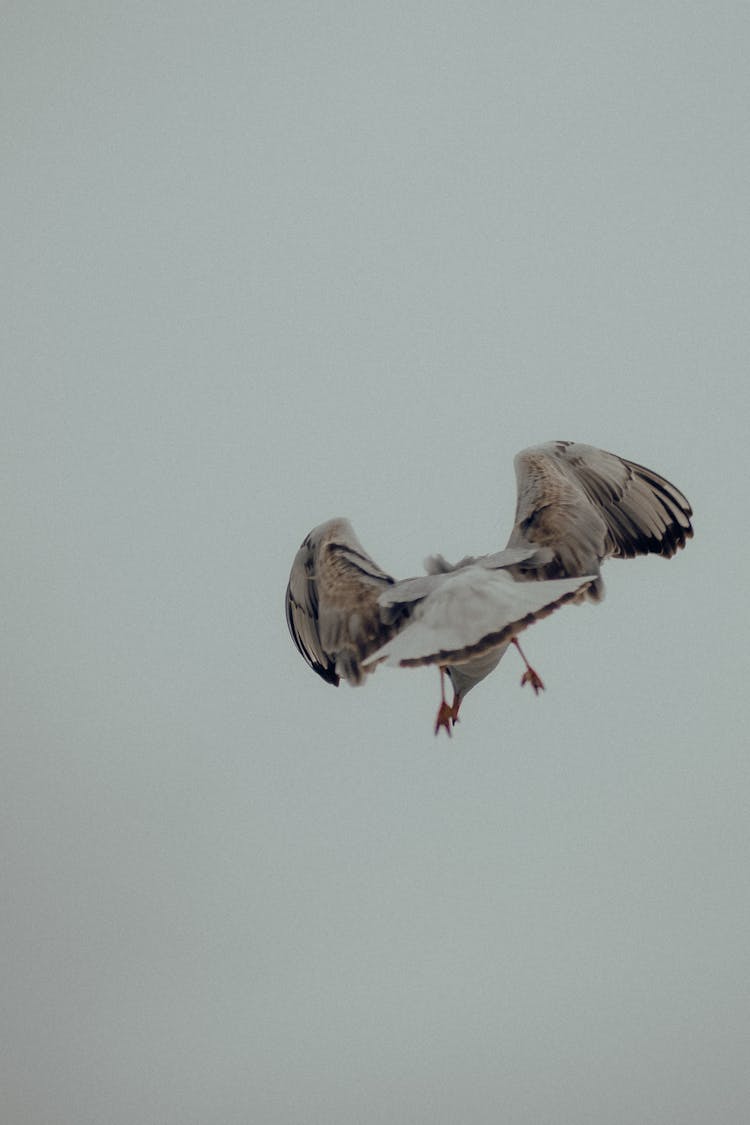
(576, 507)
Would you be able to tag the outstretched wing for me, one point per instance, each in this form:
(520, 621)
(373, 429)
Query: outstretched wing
(587, 505)
(332, 603)
(469, 612)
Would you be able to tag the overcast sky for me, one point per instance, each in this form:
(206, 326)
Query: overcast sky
(268, 263)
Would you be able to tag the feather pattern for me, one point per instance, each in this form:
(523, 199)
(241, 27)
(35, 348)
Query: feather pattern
(586, 505)
(332, 602)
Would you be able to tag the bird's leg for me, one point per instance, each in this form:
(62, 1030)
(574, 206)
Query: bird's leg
(529, 676)
(446, 715)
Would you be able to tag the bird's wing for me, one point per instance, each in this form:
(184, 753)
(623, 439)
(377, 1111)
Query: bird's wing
(588, 505)
(470, 612)
(332, 602)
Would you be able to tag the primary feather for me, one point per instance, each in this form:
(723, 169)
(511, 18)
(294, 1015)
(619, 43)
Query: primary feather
(586, 505)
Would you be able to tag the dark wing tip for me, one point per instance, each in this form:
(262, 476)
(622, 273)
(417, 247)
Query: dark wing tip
(326, 673)
(672, 510)
(298, 613)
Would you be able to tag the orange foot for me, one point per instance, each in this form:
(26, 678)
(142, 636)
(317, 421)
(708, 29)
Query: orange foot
(529, 676)
(533, 678)
(444, 718)
(446, 715)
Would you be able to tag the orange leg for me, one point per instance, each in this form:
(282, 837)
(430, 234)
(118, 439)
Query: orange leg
(446, 715)
(529, 676)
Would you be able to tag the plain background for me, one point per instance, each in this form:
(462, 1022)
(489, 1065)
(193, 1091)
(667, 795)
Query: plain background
(268, 263)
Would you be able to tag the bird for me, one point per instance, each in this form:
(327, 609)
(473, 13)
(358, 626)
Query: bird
(576, 507)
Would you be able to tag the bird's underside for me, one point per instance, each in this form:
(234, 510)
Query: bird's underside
(576, 507)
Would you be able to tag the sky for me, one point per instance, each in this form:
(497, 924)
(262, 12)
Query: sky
(270, 263)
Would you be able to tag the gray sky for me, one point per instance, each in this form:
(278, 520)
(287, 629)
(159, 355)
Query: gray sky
(269, 263)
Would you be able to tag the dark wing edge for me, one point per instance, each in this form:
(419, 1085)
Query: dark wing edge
(588, 505)
(302, 613)
(645, 513)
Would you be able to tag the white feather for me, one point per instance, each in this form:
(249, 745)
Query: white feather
(467, 610)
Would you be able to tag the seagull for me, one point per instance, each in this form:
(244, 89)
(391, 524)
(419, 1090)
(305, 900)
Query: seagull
(576, 507)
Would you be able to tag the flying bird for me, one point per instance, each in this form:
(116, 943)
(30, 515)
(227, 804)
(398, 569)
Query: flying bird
(576, 506)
